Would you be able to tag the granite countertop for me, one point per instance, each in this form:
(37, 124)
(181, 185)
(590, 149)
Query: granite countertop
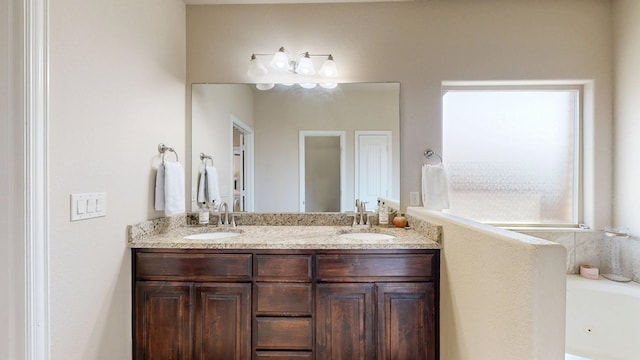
(322, 233)
(284, 237)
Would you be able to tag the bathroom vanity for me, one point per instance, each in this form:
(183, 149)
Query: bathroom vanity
(286, 293)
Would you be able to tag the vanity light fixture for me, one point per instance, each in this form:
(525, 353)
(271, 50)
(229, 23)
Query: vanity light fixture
(256, 68)
(283, 66)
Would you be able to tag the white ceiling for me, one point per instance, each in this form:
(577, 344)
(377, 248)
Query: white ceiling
(217, 2)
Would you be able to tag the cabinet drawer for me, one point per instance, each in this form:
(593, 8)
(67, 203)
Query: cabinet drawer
(193, 267)
(283, 299)
(374, 267)
(283, 334)
(284, 355)
(283, 267)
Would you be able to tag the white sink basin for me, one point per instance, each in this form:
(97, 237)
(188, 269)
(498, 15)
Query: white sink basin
(367, 236)
(213, 235)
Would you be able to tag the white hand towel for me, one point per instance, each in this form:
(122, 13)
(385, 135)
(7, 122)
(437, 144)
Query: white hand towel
(212, 187)
(174, 199)
(159, 196)
(202, 185)
(435, 190)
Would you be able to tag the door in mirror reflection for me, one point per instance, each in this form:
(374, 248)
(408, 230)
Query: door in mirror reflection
(373, 166)
(242, 166)
(239, 170)
(321, 171)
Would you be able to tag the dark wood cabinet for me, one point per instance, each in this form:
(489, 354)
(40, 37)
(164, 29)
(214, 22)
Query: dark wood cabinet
(274, 299)
(222, 321)
(285, 304)
(163, 320)
(377, 306)
(406, 321)
(345, 322)
(191, 305)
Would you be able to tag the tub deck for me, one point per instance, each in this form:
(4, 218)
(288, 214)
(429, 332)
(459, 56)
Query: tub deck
(603, 319)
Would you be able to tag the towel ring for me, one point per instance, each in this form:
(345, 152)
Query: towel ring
(428, 154)
(204, 159)
(162, 148)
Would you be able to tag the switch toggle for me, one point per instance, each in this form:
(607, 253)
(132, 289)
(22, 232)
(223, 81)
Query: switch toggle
(81, 208)
(91, 205)
(414, 198)
(99, 204)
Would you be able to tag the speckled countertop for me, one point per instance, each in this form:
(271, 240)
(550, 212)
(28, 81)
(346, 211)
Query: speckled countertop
(169, 233)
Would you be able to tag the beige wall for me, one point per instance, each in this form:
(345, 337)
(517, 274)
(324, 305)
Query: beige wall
(117, 89)
(212, 110)
(12, 310)
(627, 109)
(421, 44)
(489, 313)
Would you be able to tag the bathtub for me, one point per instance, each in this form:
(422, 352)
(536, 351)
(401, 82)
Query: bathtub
(603, 319)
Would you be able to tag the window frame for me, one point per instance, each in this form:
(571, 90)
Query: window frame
(578, 123)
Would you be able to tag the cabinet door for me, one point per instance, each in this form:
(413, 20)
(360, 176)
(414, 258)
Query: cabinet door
(223, 321)
(345, 321)
(406, 321)
(163, 320)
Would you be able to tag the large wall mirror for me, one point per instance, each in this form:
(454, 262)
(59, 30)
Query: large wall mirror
(290, 149)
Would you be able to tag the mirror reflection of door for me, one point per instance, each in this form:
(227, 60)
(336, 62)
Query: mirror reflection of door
(242, 167)
(321, 171)
(372, 166)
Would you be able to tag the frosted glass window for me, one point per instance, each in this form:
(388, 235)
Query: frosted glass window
(511, 155)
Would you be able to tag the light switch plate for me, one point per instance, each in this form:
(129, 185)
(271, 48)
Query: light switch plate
(88, 205)
(414, 198)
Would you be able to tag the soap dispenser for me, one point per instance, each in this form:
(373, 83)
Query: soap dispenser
(383, 215)
(203, 214)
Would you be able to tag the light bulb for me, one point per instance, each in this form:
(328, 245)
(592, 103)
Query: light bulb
(256, 67)
(329, 68)
(265, 86)
(327, 85)
(305, 66)
(280, 60)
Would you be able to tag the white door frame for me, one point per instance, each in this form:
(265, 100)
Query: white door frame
(36, 160)
(389, 135)
(301, 156)
(248, 161)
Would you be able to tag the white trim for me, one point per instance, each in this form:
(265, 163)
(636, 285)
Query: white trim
(248, 159)
(301, 172)
(515, 83)
(36, 32)
(301, 156)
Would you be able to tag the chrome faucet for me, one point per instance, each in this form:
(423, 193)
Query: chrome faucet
(226, 216)
(360, 217)
(363, 213)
